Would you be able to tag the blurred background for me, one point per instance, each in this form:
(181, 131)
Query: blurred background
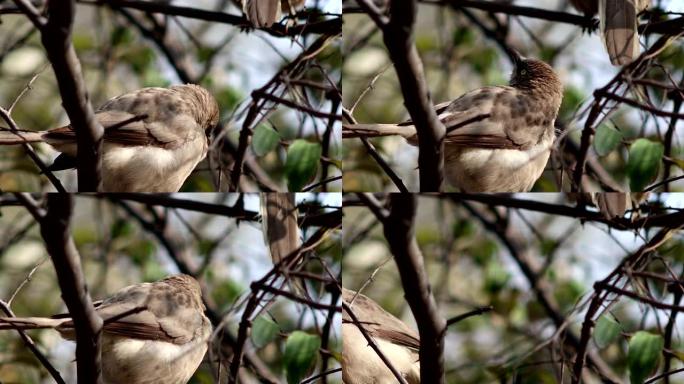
(123, 49)
(459, 51)
(226, 254)
(470, 265)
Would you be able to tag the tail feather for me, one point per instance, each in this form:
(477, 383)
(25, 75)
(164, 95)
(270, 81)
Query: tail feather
(377, 130)
(11, 137)
(619, 29)
(262, 13)
(30, 322)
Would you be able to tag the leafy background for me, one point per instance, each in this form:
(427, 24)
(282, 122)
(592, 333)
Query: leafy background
(468, 267)
(458, 57)
(117, 252)
(117, 57)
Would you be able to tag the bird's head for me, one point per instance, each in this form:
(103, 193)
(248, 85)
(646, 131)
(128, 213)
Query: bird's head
(535, 76)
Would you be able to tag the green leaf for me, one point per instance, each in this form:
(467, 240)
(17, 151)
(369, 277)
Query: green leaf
(496, 276)
(139, 58)
(226, 293)
(644, 162)
(228, 98)
(566, 293)
(83, 41)
(464, 36)
(572, 98)
(301, 350)
(484, 60)
(483, 251)
(301, 164)
(607, 330)
(121, 36)
(140, 251)
(264, 330)
(265, 140)
(154, 78)
(643, 355)
(678, 162)
(606, 140)
(463, 228)
(205, 53)
(121, 228)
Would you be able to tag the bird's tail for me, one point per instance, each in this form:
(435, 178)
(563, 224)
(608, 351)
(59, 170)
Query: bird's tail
(619, 29)
(262, 14)
(30, 322)
(8, 137)
(281, 232)
(377, 130)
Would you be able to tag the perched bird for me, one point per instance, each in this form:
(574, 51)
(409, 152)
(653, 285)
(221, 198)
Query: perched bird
(152, 333)
(618, 23)
(399, 343)
(264, 13)
(153, 138)
(498, 139)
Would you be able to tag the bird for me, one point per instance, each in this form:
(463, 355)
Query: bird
(498, 138)
(618, 23)
(264, 13)
(152, 333)
(153, 138)
(397, 341)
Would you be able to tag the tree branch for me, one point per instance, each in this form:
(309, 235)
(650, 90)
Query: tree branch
(56, 38)
(54, 228)
(398, 37)
(329, 26)
(400, 234)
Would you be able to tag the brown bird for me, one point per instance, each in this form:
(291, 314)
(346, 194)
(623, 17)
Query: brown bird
(152, 333)
(498, 138)
(398, 342)
(618, 23)
(153, 138)
(264, 13)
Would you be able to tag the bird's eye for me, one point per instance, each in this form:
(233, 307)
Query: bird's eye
(523, 71)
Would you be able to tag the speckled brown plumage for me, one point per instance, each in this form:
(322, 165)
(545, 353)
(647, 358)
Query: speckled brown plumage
(498, 138)
(152, 333)
(398, 342)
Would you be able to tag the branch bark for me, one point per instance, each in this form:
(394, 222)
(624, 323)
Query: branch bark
(54, 228)
(56, 38)
(400, 234)
(633, 262)
(398, 37)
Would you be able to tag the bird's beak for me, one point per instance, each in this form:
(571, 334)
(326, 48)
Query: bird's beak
(515, 56)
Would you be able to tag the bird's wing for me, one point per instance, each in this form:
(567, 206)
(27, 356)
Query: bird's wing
(124, 129)
(397, 337)
(494, 117)
(378, 322)
(132, 322)
(157, 117)
(489, 117)
(130, 313)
